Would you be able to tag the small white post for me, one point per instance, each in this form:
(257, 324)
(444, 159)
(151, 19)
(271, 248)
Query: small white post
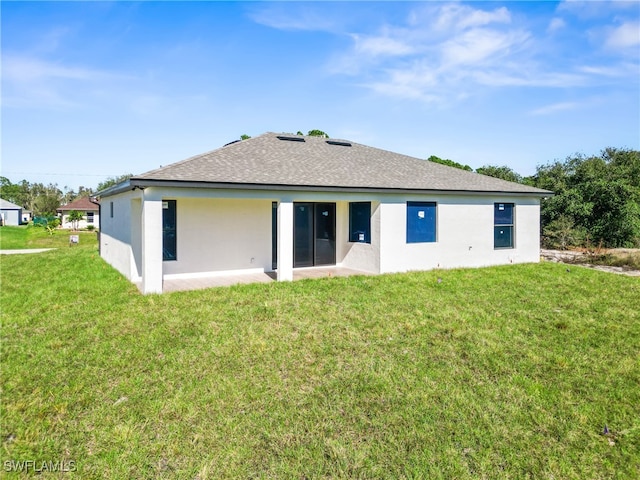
(285, 241)
(151, 246)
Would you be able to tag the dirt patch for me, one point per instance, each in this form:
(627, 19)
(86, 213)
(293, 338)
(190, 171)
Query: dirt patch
(580, 258)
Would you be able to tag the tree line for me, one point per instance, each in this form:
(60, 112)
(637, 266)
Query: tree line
(43, 200)
(596, 199)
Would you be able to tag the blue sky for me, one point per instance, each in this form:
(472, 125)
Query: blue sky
(98, 89)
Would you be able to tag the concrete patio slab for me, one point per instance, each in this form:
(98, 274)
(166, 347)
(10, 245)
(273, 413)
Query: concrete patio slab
(184, 284)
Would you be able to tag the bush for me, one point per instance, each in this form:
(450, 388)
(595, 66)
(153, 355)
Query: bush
(562, 233)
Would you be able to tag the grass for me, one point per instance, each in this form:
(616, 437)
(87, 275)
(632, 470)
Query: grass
(505, 372)
(12, 238)
(25, 237)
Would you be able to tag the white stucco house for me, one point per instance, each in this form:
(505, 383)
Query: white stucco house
(10, 213)
(27, 215)
(90, 213)
(278, 202)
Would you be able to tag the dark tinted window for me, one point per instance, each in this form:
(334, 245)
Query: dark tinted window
(360, 222)
(169, 240)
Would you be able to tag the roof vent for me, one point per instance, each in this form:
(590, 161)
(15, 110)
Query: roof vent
(335, 142)
(290, 139)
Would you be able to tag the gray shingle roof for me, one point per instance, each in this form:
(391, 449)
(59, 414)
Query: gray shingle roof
(320, 162)
(7, 205)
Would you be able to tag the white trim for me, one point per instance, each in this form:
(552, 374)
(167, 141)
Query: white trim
(221, 273)
(284, 272)
(320, 267)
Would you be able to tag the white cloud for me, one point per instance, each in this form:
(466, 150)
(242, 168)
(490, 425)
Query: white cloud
(376, 46)
(419, 82)
(26, 69)
(521, 76)
(556, 24)
(625, 36)
(460, 17)
(292, 16)
(432, 56)
(30, 81)
(621, 70)
(481, 46)
(555, 107)
(407, 90)
(444, 52)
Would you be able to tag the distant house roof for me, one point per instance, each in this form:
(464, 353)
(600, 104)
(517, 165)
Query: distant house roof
(82, 204)
(303, 162)
(7, 205)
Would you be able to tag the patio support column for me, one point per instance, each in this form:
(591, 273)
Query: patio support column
(151, 246)
(285, 241)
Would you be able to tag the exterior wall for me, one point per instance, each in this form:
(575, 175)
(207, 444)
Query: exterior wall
(116, 234)
(220, 231)
(217, 234)
(135, 220)
(11, 217)
(358, 256)
(464, 229)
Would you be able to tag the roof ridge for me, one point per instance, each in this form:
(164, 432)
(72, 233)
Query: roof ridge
(199, 155)
(316, 162)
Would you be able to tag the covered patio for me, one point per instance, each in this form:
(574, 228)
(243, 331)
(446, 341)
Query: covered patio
(211, 281)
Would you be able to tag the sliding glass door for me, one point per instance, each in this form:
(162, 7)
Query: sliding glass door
(314, 234)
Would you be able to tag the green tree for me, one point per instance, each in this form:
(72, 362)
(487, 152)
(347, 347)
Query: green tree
(317, 133)
(44, 199)
(11, 192)
(111, 181)
(245, 137)
(74, 217)
(449, 163)
(599, 194)
(615, 212)
(562, 233)
(504, 173)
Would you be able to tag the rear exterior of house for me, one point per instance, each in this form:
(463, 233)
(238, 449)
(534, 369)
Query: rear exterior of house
(277, 203)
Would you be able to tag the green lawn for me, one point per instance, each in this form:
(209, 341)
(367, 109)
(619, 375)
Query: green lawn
(506, 372)
(12, 238)
(16, 238)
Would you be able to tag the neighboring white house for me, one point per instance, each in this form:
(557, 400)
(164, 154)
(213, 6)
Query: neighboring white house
(90, 213)
(280, 202)
(10, 213)
(26, 216)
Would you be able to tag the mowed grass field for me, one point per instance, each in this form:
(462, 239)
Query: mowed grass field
(506, 372)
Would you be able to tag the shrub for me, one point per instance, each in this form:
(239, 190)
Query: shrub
(562, 233)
